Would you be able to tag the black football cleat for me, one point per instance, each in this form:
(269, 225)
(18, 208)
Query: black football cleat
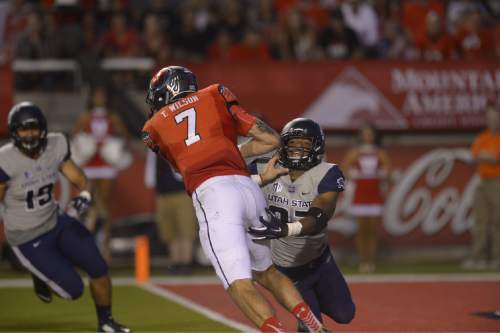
(111, 326)
(42, 290)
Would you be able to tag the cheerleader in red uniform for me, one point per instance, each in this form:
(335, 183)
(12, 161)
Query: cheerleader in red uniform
(94, 130)
(368, 166)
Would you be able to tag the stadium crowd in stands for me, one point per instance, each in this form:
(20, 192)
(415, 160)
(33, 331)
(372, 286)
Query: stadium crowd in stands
(255, 30)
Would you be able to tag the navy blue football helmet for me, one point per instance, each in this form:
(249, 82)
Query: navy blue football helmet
(169, 84)
(26, 115)
(307, 129)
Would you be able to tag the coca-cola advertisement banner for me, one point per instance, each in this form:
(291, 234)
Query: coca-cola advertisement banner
(429, 201)
(341, 95)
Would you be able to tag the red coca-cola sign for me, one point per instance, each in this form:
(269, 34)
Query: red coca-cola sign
(429, 201)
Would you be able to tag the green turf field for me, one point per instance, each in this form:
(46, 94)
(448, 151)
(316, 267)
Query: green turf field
(22, 311)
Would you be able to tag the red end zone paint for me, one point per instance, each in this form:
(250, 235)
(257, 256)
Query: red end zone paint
(387, 307)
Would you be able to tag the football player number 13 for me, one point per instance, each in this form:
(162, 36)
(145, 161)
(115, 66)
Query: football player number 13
(39, 198)
(190, 115)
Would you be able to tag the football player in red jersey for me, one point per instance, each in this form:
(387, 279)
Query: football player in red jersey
(196, 131)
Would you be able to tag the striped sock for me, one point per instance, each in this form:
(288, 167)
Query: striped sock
(304, 314)
(272, 325)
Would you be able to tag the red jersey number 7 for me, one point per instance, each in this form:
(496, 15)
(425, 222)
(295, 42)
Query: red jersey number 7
(190, 114)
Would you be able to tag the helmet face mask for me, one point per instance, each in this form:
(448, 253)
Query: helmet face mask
(299, 148)
(27, 128)
(29, 136)
(302, 144)
(168, 85)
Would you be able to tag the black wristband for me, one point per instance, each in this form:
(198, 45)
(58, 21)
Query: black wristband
(321, 219)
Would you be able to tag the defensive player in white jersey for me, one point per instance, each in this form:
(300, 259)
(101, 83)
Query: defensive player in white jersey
(48, 242)
(300, 205)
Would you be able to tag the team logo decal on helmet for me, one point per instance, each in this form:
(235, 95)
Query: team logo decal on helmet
(169, 84)
(307, 129)
(173, 86)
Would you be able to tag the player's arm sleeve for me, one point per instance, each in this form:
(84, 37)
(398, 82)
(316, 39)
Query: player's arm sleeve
(252, 167)
(317, 217)
(244, 120)
(324, 204)
(62, 146)
(333, 181)
(4, 177)
(3, 189)
(67, 155)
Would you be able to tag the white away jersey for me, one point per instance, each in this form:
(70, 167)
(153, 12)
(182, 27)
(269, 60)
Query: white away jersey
(30, 208)
(291, 200)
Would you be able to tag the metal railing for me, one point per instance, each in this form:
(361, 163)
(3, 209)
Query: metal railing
(72, 66)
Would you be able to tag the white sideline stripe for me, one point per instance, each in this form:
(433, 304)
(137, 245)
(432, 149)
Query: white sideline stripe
(26, 263)
(215, 316)
(376, 278)
(412, 278)
(213, 280)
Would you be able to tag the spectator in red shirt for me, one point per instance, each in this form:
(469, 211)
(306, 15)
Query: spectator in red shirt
(251, 49)
(220, 49)
(283, 6)
(473, 41)
(120, 40)
(414, 13)
(434, 44)
(317, 13)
